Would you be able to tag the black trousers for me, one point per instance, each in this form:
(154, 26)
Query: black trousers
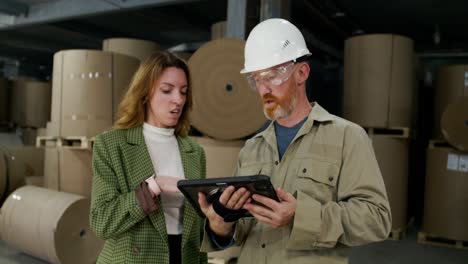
(175, 249)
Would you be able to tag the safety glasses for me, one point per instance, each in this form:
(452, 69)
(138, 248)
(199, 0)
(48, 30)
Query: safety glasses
(271, 77)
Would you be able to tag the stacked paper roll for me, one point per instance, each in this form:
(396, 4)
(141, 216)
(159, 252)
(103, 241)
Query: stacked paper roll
(68, 170)
(379, 81)
(221, 155)
(218, 30)
(137, 48)
(445, 213)
(87, 87)
(4, 100)
(50, 225)
(18, 163)
(393, 158)
(224, 106)
(30, 103)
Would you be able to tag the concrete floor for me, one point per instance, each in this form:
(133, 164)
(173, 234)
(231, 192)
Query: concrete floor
(405, 251)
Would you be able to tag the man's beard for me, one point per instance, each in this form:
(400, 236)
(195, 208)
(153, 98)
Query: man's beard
(282, 107)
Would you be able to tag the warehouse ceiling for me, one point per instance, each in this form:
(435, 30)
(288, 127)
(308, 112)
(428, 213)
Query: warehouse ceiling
(32, 30)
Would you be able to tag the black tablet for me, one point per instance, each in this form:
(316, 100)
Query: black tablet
(257, 184)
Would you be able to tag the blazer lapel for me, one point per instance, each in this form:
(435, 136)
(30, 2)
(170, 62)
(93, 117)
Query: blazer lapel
(187, 155)
(141, 168)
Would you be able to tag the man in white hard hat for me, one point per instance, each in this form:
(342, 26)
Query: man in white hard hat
(332, 195)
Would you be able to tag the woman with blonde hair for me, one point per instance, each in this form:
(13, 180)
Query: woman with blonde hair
(135, 204)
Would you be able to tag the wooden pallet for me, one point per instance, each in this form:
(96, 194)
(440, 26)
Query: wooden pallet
(65, 142)
(434, 143)
(397, 234)
(395, 132)
(434, 240)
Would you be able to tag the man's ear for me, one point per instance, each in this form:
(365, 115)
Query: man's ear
(302, 73)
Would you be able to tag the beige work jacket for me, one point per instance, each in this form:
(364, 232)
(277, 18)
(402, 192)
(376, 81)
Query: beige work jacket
(331, 169)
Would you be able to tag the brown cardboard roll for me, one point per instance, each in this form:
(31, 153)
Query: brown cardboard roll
(379, 81)
(30, 103)
(50, 225)
(445, 200)
(225, 107)
(451, 82)
(68, 170)
(138, 48)
(20, 162)
(4, 100)
(454, 123)
(392, 156)
(87, 86)
(218, 30)
(183, 55)
(3, 174)
(221, 155)
(34, 181)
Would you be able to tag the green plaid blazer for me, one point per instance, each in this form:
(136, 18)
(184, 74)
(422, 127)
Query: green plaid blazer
(121, 161)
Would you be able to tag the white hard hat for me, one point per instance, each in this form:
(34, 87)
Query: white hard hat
(273, 42)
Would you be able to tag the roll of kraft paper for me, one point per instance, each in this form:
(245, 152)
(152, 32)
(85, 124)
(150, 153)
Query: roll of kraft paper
(454, 124)
(224, 106)
(50, 225)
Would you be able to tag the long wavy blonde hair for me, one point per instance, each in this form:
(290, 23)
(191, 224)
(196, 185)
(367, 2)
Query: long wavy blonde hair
(133, 107)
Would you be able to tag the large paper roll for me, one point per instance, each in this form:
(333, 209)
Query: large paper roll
(50, 225)
(4, 101)
(451, 83)
(446, 198)
(68, 170)
(379, 81)
(218, 30)
(87, 87)
(225, 107)
(454, 124)
(20, 162)
(221, 155)
(393, 157)
(30, 103)
(137, 48)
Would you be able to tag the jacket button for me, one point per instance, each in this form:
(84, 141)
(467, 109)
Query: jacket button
(304, 170)
(276, 162)
(330, 178)
(263, 245)
(135, 250)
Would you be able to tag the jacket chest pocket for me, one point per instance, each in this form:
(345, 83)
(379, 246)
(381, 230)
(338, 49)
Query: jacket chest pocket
(318, 179)
(256, 168)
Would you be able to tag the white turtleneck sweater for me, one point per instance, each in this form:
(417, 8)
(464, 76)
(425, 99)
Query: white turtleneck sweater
(164, 152)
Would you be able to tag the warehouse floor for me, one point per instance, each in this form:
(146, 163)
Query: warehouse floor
(405, 251)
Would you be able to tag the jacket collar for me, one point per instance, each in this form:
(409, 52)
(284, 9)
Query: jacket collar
(318, 114)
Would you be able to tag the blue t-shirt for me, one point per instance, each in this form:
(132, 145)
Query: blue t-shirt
(284, 136)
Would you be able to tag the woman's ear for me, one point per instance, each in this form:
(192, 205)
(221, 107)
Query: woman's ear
(302, 73)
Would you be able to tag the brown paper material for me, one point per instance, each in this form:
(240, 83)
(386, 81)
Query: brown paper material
(225, 107)
(20, 162)
(34, 181)
(392, 156)
(4, 100)
(50, 225)
(218, 30)
(87, 91)
(138, 48)
(68, 170)
(445, 202)
(221, 156)
(451, 83)
(454, 123)
(379, 81)
(30, 103)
